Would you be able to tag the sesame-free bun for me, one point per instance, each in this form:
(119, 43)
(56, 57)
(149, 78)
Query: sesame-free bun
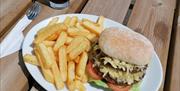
(126, 45)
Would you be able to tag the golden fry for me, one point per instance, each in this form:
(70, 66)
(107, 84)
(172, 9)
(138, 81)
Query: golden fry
(60, 41)
(76, 85)
(73, 21)
(74, 43)
(48, 43)
(47, 61)
(92, 37)
(67, 20)
(87, 42)
(77, 51)
(49, 31)
(68, 40)
(51, 53)
(87, 20)
(53, 21)
(53, 37)
(31, 59)
(72, 31)
(100, 21)
(83, 79)
(80, 70)
(63, 62)
(46, 72)
(77, 59)
(92, 27)
(81, 28)
(79, 85)
(71, 71)
(55, 70)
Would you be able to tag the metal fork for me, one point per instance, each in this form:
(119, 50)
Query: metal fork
(33, 11)
(12, 42)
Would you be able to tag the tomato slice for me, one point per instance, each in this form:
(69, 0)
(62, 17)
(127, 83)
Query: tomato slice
(92, 72)
(118, 88)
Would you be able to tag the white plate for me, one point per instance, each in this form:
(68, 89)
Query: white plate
(151, 81)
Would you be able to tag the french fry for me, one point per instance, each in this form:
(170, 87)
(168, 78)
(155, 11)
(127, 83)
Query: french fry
(77, 59)
(71, 71)
(73, 21)
(87, 42)
(67, 20)
(92, 37)
(63, 62)
(48, 43)
(83, 79)
(81, 28)
(72, 31)
(46, 72)
(92, 27)
(53, 21)
(51, 54)
(80, 70)
(55, 70)
(74, 43)
(77, 51)
(60, 41)
(49, 31)
(43, 51)
(42, 30)
(68, 40)
(79, 85)
(71, 85)
(76, 86)
(53, 37)
(100, 21)
(87, 20)
(31, 59)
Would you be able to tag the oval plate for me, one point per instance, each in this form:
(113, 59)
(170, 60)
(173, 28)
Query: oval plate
(151, 81)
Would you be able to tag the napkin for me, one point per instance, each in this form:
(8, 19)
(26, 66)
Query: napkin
(13, 41)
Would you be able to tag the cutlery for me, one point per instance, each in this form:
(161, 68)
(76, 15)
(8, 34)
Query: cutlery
(12, 42)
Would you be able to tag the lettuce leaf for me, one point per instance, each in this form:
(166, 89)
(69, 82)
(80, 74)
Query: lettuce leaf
(135, 87)
(100, 83)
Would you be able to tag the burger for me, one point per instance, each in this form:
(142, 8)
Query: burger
(119, 59)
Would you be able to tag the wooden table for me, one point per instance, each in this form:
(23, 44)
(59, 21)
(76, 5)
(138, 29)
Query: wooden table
(155, 19)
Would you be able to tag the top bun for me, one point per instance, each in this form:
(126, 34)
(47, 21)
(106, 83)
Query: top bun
(126, 45)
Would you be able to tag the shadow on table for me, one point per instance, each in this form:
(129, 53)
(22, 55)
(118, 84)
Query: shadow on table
(31, 81)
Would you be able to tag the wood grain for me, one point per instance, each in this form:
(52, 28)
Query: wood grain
(12, 76)
(174, 73)
(10, 11)
(113, 9)
(153, 19)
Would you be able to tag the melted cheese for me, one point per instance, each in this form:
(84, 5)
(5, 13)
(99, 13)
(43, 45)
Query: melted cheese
(115, 63)
(121, 76)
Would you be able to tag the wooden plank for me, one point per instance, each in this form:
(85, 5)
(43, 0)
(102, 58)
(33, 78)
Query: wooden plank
(10, 11)
(113, 9)
(173, 79)
(12, 76)
(153, 19)
(175, 75)
(12, 68)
